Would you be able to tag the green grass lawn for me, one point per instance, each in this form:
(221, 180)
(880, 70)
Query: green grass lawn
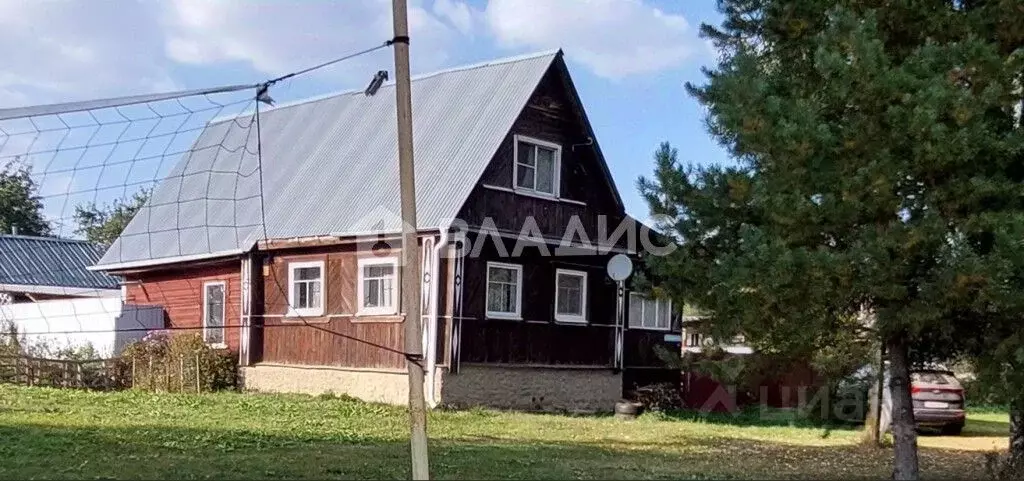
(48, 433)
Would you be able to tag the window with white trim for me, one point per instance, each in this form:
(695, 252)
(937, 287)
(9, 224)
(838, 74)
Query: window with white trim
(570, 296)
(693, 338)
(537, 165)
(649, 313)
(214, 299)
(306, 288)
(378, 286)
(504, 290)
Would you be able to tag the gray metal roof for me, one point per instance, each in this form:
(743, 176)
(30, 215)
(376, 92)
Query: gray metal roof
(330, 166)
(51, 262)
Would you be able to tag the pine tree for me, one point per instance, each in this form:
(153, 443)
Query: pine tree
(879, 170)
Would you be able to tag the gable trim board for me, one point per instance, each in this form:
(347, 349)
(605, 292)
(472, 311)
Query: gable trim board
(338, 137)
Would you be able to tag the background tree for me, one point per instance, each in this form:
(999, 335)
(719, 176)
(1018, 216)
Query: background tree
(103, 224)
(878, 170)
(21, 207)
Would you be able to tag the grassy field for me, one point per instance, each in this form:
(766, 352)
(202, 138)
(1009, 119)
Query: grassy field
(46, 433)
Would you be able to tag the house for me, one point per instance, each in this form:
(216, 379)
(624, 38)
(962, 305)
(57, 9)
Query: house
(34, 269)
(51, 298)
(513, 196)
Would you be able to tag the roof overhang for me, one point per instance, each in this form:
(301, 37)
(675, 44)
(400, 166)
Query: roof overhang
(263, 245)
(140, 264)
(340, 238)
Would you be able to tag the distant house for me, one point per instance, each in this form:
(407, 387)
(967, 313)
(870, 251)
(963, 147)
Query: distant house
(34, 269)
(310, 298)
(51, 297)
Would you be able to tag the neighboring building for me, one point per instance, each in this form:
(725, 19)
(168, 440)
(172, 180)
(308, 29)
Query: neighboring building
(305, 285)
(51, 297)
(34, 269)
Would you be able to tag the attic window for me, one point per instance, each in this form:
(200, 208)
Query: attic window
(537, 166)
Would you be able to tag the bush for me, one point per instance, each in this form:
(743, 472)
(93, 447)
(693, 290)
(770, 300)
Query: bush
(1002, 466)
(10, 341)
(982, 392)
(163, 361)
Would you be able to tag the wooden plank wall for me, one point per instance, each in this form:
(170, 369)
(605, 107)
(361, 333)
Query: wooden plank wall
(550, 115)
(518, 342)
(180, 292)
(339, 337)
(538, 339)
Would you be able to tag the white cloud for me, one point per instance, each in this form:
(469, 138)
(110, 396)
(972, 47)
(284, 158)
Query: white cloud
(52, 51)
(613, 38)
(457, 13)
(60, 51)
(277, 38)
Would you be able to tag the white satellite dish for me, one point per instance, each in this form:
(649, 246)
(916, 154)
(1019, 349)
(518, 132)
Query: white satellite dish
(620, 267)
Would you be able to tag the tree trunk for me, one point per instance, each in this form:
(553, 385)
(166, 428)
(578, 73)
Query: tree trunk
(903, 427)
(1017, 431)
(873, 421)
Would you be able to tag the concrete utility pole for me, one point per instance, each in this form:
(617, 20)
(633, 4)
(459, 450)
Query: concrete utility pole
(410, 246)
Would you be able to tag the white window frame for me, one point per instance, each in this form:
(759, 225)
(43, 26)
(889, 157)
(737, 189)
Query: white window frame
(306, 311)
(223, 315)
(518, 314)
(396, 286)
(656, 316)
(572, 318)
(556, 179)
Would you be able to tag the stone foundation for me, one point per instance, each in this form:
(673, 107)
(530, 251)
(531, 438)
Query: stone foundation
(532, 388)
(380, 385)
(535, 388)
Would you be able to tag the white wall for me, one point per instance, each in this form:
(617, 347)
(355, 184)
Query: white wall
(67, 322)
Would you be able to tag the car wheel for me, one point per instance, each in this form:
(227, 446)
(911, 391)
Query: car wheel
(953, 429)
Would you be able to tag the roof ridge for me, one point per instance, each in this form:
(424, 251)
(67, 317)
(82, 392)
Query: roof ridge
(44, 238)
(414, 78)
(487, 63)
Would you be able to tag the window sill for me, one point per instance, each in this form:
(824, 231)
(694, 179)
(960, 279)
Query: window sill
(571, 321)
(300, 320)
(375, 313)
(534, 194)
(218, 345)
(296, 314)
(655, 329)
(377, 318)
(502, 317)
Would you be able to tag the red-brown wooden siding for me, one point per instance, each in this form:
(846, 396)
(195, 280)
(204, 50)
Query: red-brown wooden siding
(180, 292)
(339, 337)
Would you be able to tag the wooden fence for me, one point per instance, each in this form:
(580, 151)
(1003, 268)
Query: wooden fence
(183, 373)
(34, 371)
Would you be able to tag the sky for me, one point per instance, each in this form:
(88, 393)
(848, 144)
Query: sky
(629, 59)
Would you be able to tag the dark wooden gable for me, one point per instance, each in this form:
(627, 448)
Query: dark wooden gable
(553, 114)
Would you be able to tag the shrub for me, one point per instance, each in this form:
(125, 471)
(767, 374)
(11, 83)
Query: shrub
(163, 361)
(1003, 466)
(10, 340)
